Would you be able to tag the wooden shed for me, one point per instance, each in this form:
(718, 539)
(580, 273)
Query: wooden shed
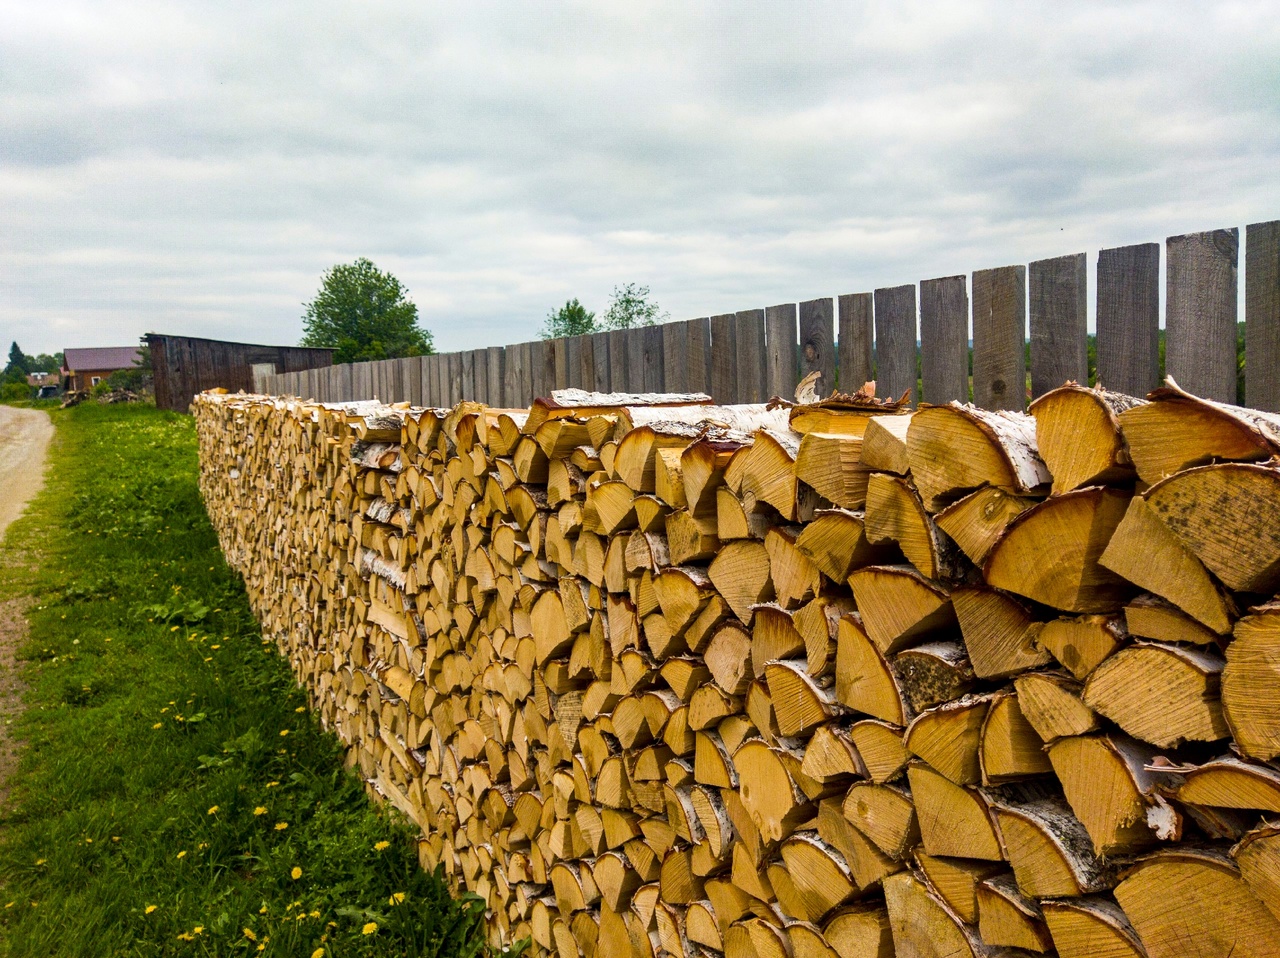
(186, 365)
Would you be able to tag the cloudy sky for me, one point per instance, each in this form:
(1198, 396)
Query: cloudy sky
(193, 168)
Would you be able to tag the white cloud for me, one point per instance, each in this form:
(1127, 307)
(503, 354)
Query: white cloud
(192, 168)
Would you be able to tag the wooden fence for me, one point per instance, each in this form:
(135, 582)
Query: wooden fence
(751, 355)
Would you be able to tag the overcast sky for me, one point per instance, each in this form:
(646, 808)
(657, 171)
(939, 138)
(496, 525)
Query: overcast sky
(193, 168)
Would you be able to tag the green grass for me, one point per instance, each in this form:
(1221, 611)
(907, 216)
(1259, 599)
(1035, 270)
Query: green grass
(170, 759)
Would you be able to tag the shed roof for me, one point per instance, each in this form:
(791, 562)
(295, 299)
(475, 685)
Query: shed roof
(100, 357)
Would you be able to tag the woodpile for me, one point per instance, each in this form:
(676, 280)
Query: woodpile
(661, 677)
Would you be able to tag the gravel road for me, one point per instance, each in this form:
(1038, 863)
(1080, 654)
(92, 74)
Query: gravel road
(24, 440)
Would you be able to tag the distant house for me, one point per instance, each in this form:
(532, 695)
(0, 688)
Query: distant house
(85, 368)
(36, 380)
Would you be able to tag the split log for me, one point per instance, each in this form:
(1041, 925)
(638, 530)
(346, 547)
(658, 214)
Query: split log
(954, 449)
(1078, 435)
(1251, 684)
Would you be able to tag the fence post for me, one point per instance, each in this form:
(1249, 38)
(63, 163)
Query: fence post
(724, 353)
(494, 368)
(1200, 323)
(781, 351)
(749, 352)
(675, 357)
(817, 345)
(856, 363)
(1059, 298)
(944, 339)
(895, 321)
(1262, 315)
(697, 340)
(999, 338)
(1129, 318)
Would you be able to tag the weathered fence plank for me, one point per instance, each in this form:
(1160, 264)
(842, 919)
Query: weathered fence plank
(817, 343)
(1059, 301)
(782, 367)
(619, 375)
(697, 340)
(1200, 323)
(480, 380)
(573, 361)
(496, 371)
(944, 339)
(999, 338)
(724, 354)
(598, 366)
(1262, 315)
(895, 323)
(856, 344)
(675, 357)
(1129, 318)
(651, 339)
(468, 387)
(561, 361)
(749, 348)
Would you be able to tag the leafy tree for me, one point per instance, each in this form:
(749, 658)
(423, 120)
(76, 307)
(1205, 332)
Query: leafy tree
(630, 306)
(364, 314)
(135, 378)
(571, 319)
(45, 363)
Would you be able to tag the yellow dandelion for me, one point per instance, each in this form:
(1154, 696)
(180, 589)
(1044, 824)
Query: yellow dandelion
(318, 953)
(396, 899)
(158, 725)
(174, 629)
(284, 732)
(186, 936)
(198, 930)
(248, 933)
(262, 910)
(301, 708)
(379, 846)
(115, 838)
(40, 861)
(313, 914)
(149, 909)
(260, 810)
(209, 658)
(281, 826)
(215, 647)
(262, 946)
(369, 928)
(182, 854)
(296, 873)
(213, 809)
(10, 904)
(272, 784)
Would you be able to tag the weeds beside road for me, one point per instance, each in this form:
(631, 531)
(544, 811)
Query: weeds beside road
(175, 796)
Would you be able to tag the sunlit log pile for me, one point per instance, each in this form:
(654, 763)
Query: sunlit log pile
(656, 676)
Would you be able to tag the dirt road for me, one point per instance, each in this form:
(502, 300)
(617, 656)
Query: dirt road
(24, 440)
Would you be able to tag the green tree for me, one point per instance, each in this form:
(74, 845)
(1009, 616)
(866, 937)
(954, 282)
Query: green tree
(364, 313)
(571, 319)
(18, 367)
(45, 363)
(630, 306)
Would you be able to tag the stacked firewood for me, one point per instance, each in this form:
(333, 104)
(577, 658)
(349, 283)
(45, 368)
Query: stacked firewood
(656, 676)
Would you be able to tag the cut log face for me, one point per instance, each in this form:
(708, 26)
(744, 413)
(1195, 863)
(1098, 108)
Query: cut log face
(1078, 435)
(740, 573)
(837, 544)
(955, 881)
(880, 747)
(1162, 694)
(1194, 903)
(832, 466)
(1000, 633)
(1010, 748)
(864, 680)
(1049, 849)
(1051, 704)
(1179, 430)
(1107, 785)
(884, 444)
(1225, 514)
(1147, 553)
(896, 514)
(948, 738)
(1081, 643)
(953, 450)
(978, 520)
(1089, 928)
(1050, 553)
(923, 927)
(1257, 855)
(954, 821)
(1231, 783)
(1008, 918)
(1251, 684)
(898, 605)
(1151, 617)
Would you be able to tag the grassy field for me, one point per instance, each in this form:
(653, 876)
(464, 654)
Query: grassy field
(175, 795)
